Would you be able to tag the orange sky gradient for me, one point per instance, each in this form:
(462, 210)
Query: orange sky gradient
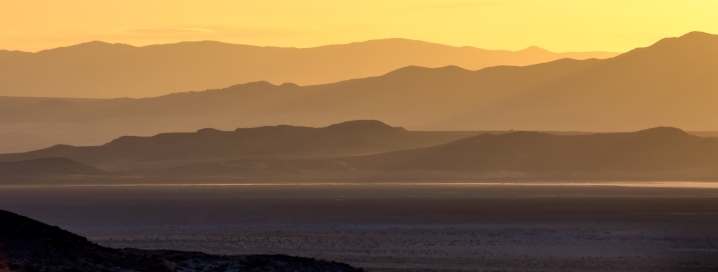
(557, 25)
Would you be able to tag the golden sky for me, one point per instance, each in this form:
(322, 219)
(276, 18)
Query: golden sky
(557, 25)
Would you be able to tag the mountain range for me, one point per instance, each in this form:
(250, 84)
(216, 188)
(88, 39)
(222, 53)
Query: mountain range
(104, 70)
(670, 83)
(657, 153)
(372, 151)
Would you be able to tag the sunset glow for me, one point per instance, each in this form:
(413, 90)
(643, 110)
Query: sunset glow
(558, 25)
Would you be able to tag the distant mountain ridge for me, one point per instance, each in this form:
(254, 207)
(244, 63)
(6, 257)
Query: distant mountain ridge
(670, 83)
(103, 70)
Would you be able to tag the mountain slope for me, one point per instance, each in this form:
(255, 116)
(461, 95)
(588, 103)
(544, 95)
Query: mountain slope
(29, 245)
(103, 70)
(668, 83)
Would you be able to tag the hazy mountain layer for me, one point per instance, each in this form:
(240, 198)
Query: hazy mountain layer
(336, 153)
(287, 142)
(654, 153)
(670, 83)
(98, 69)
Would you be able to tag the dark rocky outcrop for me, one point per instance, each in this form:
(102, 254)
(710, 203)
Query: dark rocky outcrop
(29, 245)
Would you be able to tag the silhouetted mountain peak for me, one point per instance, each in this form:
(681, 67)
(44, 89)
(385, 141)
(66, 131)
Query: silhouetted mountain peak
(259, 84)
(122, 140)
(252, 85)
(209, 130)
(689, 38)
(277, 128)
(60, 146)
(363, 126)
(391, 42)
(691, 43)
(92, 46)
(452, 68)
(664, 132)
(94, 43)
(408, 69)
(697, 35)
(289, 85)
(534, 49)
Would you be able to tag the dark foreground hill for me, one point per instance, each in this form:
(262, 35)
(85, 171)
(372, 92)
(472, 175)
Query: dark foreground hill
(29, 245)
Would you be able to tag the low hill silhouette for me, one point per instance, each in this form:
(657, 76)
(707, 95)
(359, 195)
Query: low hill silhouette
(661, 153)
(29, 245)
(103, 70)
(374, 151)
(653, 153)
(342, 139)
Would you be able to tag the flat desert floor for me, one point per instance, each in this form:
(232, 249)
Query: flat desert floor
(402, 227)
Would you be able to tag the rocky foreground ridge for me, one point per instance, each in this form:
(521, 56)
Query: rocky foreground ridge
(29, 245)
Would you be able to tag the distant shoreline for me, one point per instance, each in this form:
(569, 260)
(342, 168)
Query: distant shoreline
(634, 184)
